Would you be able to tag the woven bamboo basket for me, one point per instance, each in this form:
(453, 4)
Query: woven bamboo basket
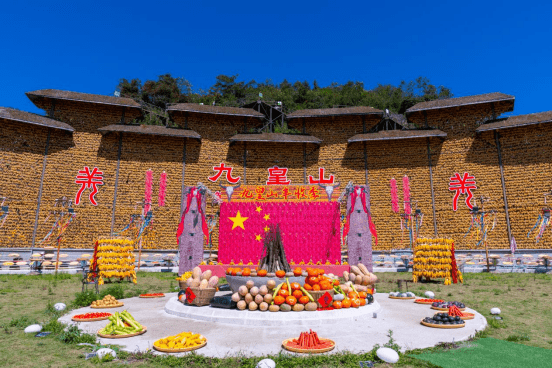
(183, 285)
(318, 294)
(203, 296)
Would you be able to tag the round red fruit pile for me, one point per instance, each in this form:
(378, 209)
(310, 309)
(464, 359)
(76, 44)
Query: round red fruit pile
(430, 300)
(92, 315)
(155, 294)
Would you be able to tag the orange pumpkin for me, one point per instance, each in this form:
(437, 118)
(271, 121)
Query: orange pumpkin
(246, 272)
(278, 300)
(283, 292)
(307, 287)
(316, 287)
(295, 286)
(280, 273)
(297, 271)
(261, 273)
(291, 300)
(346, 303)
(297, 294)
(302, 300)
(362, 294)
(355, 303)
(337, 304)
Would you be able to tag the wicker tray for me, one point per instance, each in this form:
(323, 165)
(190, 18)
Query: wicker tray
(89, 319)
(467, 316)
(111, 306)
(442, 326)
(416, 301)
(403, 298)
(122, 336)
(446, 309)
(308, 351)
(318, 294)
(145, 296)
(181, 350)
(203, 296)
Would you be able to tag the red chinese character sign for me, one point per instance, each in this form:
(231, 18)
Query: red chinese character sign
(462, 185)
(88, 180)
(278, 193)
(321, 179)
(277, 176)
(223, 169)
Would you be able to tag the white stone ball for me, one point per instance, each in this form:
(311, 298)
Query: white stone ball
(60, 307)
(33, 329)
(429, 294)
(266, 363)
(104, 351)
(495, 310)
(388, 355)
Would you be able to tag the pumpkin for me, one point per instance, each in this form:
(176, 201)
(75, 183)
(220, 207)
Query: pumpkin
(346, 303)
(246, 272)
(311, 280)
(261, 273)
(283, 292)
(274, 308)
(297, 294)
(304, 299)
(355, 303)
(291, 300)
(295, 286)
(307, 287)
(297, 271)
(337, 304)
(311, 307)
(279, 300)
(298, 308)
(280, 273)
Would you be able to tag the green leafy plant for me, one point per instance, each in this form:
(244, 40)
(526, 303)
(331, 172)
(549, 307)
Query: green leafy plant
(115, 291)
(84, 299)
(22, 322)
(72, 335)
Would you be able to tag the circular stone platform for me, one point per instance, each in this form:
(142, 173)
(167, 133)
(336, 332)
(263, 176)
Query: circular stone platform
(355, 335)
(258, 318)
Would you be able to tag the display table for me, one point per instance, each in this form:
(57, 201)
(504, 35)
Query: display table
(220, 270)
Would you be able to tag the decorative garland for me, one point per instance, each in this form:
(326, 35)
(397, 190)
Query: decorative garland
(162, 189)
(406, 195)
(394, 196)
(148, 191)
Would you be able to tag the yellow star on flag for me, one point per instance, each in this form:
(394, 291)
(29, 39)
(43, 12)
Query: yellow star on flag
(259, 209)
(267, 217)
(266, 229)
(238, 221)
(257, 237)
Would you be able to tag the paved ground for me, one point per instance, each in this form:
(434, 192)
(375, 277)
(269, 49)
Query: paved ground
(357, 334)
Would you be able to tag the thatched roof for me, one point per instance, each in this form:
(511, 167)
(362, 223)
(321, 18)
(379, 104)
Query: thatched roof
(338, 111)
(397, 134)
(275, 137)
(461, 101)
(215, 110)
(150, 130)
(517, 121)
(34, 119)
(399, 119)
(57, 94)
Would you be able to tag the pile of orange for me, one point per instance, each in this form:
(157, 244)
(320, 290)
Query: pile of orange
(353, 300)
(316, 280)
(291, 297)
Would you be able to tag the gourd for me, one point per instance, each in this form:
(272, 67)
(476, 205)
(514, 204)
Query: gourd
(196, 273)
(204, 284)
(352, 277)
(358, 280)
(206, 275)
(365, 280)
(213, 281)
(346, 275)
(355, 270)
(363, 269)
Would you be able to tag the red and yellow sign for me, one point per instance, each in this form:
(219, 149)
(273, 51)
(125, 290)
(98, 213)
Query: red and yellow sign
(280, 193)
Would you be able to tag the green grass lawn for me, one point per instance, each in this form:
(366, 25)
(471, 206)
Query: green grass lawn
(523, 298)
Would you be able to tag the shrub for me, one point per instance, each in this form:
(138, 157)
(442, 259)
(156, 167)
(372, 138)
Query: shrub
(72, 335)
(115, 291)
(84, 299)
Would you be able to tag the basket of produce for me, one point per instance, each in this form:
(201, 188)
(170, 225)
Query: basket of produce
(318, 294)
(107, 302)
(202, 296)
(309, 343)
(428, 301)
(184, 341)
(155, 295)
(446, 305)
(91, 317)
(443, 321)
(399, 295)
(121, 325)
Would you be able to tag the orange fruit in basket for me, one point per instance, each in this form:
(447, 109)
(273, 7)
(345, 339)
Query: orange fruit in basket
(311, 280)
(297, 271)
(337, 304)
(229, 271)
(346, 303)
(307, 287)
(297, 293)
(325, 285)
(312, 272)
(320, 272)
(316, 287)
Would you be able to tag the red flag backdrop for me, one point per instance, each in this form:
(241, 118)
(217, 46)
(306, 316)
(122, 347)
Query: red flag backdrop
(309, 230)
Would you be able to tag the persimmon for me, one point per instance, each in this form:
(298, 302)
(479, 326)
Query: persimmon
(320, 272)
(325, 285)
(362, 294)
(280, 273)
(304, 300)
(337, 304)
(246, 272)
(278, 300)
(312, 272)
(291, 300)
(297, 293)
(297, 271)
(312, 280)
(295, 286)
(307, 287)
(362, 302)
(346, 303)
(235, 271)
(355, 303)
(285, 286)
(261, 273)
(352, 295)
(229, 270)
(283, 292)
(316, 287)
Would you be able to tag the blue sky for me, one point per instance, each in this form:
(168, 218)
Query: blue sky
(472, 47)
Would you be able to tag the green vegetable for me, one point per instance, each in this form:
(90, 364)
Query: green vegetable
(276, 291)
